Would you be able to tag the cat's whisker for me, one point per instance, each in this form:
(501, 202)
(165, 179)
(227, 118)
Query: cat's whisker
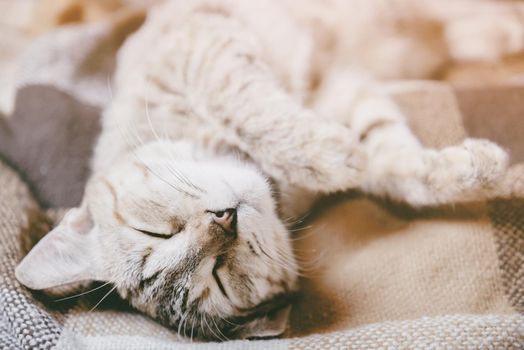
(146, 102)
(300, 228)
(182, 178)
(186, 320)
(184, 327)
(318, 259)
(299, 258)
(295, 265)
(286, 266)
(141, 142)
(303, 251)
(291, 267)
(183, 319)
(224, 337)
(175, 172)
(287, 262)
(222, 318)
(83, 293)
(192, 326)
(126, 135)
(178, 174)
(133, 151)
(164, 180)
(201, 325)
(109, 87)
(304, 236)
(103, 298)
(204, 321)
(298, 220)
(295, 249)
(125, 132)
(307, 234)
(295, 222)
(310, 265)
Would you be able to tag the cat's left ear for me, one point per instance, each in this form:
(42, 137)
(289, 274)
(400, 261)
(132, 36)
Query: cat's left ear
(269, 326)
(65, 255)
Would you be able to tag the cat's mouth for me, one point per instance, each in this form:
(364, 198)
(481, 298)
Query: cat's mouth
(268, 306)
(219, 262)
(240, 321)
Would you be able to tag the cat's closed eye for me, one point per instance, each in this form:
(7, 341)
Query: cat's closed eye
(153, 234)
(159, 235)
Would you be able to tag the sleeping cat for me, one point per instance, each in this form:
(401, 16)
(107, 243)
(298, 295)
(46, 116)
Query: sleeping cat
(206, 148)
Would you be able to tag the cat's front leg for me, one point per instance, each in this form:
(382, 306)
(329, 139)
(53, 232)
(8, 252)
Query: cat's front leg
(307, 152)
(292, 144)
(231, 88)
(398, 166)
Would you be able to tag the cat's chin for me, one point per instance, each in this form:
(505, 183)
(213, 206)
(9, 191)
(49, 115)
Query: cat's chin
(269, 319)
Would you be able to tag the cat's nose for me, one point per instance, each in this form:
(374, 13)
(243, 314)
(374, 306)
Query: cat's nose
(227, 219)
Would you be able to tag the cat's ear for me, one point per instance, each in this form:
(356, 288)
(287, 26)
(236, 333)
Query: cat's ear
(269, 326)
(65, 255)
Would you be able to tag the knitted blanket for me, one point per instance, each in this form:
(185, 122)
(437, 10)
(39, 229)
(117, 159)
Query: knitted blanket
(378, 275)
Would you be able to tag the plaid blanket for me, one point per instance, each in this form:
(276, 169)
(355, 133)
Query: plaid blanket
(379, 276)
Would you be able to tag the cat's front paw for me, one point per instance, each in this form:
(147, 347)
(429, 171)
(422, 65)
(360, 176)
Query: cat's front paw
(489, 161)
(468, 171)
(420, 177)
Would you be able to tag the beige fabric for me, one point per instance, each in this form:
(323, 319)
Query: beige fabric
(375, 266)
(447, 332)
(482, 108)
(509, 235)
(23, 322)
(377, 274)
(425, 101)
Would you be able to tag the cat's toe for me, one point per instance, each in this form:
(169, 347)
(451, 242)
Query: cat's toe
(489, 160)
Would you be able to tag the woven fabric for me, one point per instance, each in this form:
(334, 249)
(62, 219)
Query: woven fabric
(446, 332)
(508, 217)
(23, 322)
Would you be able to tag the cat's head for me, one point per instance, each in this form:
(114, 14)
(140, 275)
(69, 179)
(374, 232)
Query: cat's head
(196, 245)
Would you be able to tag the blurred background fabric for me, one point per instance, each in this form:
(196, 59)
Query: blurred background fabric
(377, 274)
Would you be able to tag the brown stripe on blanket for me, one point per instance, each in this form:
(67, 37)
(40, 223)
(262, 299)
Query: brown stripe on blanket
(507, 216)
(495, 113)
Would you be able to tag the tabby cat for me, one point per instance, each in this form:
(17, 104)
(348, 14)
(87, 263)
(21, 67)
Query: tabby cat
(213, 138)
